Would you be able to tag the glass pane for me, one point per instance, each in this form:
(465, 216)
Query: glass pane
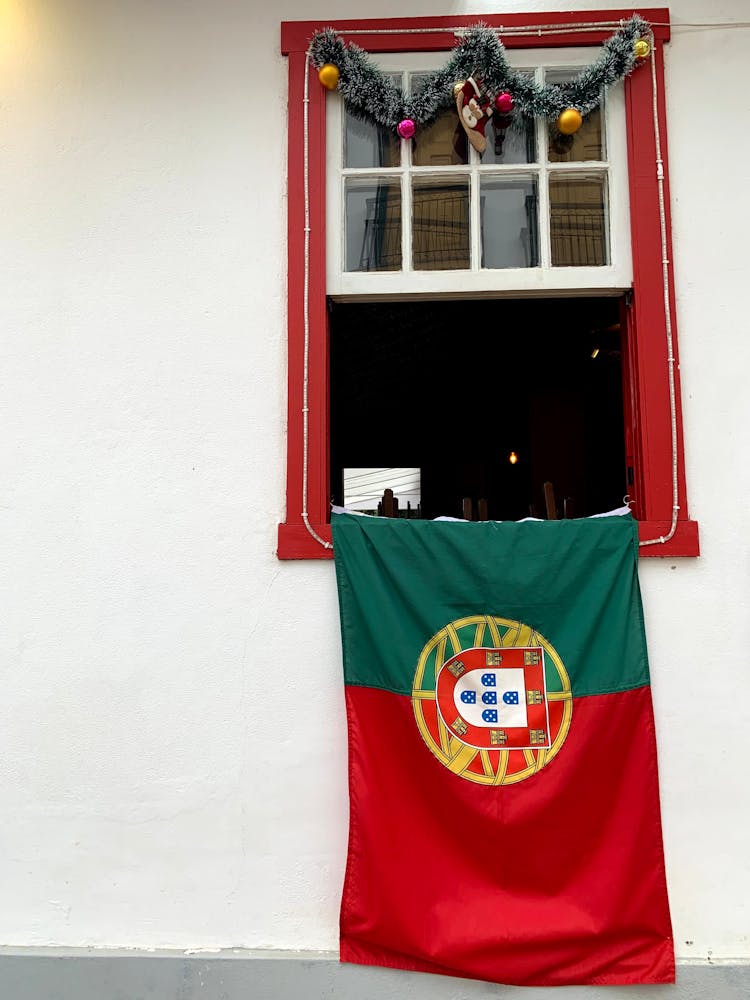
(578, 220)
(367, 145)
(444, 143)
(373, 225)
(440, 224)
(515, 144)
(510, 223)
(585, 144)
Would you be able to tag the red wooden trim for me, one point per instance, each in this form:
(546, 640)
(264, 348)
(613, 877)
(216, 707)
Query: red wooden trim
(295, 542)
(317, 500)
(648, 349)
(295, 272)
(296, 35)
(684, 543)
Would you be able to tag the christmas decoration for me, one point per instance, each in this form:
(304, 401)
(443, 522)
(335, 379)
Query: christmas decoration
(561, 144)
(502, 123)
(642, 49)
(569, 121)
(406, 128)
(504, 103)
(480, 56)
(473, 111)
(329, 75)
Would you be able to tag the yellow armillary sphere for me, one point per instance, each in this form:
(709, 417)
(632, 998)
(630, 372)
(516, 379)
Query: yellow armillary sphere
(492, 699)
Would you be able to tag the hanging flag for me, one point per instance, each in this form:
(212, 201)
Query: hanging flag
(504, 803)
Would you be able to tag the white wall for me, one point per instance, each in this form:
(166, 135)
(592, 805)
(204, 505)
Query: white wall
(157, 790)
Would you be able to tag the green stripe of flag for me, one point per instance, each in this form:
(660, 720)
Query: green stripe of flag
(575, 582)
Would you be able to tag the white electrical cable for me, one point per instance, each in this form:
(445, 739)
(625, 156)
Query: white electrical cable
(530, 29)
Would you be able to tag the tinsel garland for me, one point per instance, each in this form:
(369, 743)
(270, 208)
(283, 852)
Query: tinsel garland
(372, 96)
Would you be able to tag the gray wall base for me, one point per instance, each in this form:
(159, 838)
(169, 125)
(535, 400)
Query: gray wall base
(69, 974)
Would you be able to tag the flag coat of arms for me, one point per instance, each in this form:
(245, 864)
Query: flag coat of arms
(504, 803)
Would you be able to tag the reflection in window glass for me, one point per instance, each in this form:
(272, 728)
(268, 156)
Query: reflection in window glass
(578, 220)
(515, 144)
(440, 224)
(444, 143)
(585, 144)
(367, 145)
(373, 225)
(510, 225)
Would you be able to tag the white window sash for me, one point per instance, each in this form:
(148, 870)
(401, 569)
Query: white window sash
(476, 281)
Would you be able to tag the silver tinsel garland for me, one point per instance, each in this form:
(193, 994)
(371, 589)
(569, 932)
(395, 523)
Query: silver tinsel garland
(372, 96)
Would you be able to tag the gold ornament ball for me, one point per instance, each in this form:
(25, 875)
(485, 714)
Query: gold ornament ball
(569, 121)
(458, 87)
(642, 48)
(329, 76)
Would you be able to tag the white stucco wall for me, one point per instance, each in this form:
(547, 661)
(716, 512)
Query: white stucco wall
(158, 786)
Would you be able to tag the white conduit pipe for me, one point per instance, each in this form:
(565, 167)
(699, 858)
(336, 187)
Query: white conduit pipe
(531, 29)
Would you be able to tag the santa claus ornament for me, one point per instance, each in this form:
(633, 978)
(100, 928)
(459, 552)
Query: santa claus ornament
(474, 110)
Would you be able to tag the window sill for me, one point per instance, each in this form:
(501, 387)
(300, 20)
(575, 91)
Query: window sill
(295, 541)
(487, 282)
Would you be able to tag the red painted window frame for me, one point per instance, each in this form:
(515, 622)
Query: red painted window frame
(647, 411)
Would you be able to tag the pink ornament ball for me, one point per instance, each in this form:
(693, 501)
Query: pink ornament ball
(504, 103)
(406, 128)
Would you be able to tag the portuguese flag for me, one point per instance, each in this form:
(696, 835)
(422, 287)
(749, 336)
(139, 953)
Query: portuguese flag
(504, 802)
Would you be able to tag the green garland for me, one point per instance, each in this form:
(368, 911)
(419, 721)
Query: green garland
(372, 96)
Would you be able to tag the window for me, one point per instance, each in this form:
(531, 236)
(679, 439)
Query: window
(454, 388)
(534, 212)
(420, 225)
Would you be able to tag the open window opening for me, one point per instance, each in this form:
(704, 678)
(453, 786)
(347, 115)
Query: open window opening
(481, 398)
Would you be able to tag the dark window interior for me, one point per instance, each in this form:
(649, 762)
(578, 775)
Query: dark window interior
(453, 387)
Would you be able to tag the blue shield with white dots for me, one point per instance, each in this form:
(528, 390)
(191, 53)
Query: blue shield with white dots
(495, 696)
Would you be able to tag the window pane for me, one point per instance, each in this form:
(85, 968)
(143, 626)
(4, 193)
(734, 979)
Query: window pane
(585, 144)
(373, 225)
(444, 143)
(516, 144)
(367, 145)
(510, 226)
(440, 224)
(578, 220)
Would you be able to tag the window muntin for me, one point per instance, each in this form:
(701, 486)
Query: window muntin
(566, 203)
